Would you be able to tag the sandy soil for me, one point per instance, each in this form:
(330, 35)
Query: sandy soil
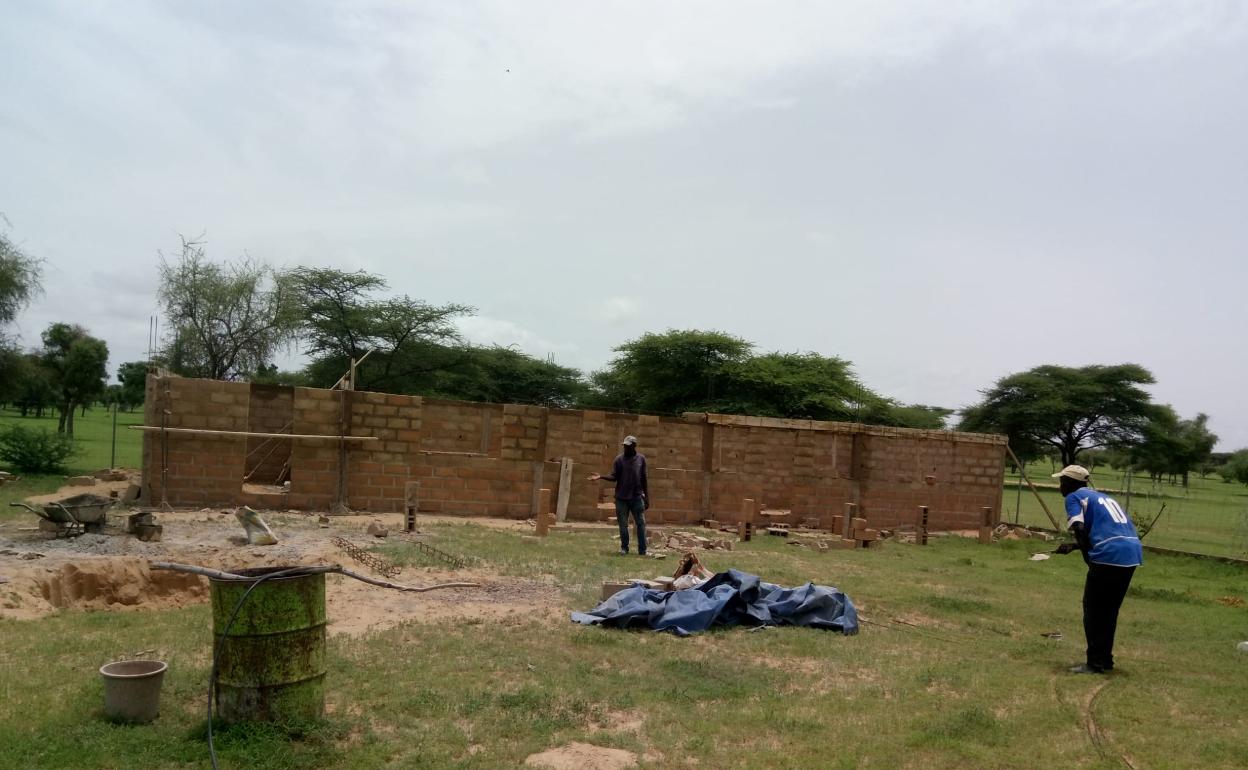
(41, 574)
(582, 756)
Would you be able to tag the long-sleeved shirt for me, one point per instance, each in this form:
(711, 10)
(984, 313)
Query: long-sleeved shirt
(629, 475)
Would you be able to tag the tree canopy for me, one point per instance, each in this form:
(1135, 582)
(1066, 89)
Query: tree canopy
(75, 362)
(671, 372)
(20, 276)
(341, 318)
(710, 371)
(226, 320)
(1069, 409)
(1171, 446)
(132, 376)
(1236, 467)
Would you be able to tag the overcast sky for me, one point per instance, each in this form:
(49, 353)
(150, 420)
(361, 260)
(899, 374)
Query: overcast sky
(941, 192)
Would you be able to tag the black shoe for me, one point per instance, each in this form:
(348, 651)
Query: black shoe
(1084, 668)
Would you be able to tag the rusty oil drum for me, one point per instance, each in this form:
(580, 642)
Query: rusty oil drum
(272, 665)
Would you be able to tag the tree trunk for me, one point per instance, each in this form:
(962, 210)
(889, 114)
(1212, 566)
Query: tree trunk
(84, 410)
(69, 422)
(62, 409)
(25, 409)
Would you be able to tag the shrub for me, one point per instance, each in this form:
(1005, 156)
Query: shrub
(35, 451)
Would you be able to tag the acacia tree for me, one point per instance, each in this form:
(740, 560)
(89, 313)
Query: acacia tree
(340, 318)
(76, 364)
(1066, 408)
(225, 321)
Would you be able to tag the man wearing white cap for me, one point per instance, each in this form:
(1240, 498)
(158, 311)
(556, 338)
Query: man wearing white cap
(632, 493)
(1111, 547)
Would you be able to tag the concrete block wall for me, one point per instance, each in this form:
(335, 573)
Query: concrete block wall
(489, 459)
(203, 469)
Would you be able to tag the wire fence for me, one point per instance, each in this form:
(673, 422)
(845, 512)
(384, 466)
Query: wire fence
(1207, 516)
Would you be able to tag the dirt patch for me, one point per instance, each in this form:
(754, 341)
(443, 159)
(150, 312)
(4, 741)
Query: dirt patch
(97, 584)
(40, 575)
(582, 756)
(356, 608)
(620, 722)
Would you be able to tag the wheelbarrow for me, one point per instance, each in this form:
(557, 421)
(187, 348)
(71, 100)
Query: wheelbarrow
(74, 515)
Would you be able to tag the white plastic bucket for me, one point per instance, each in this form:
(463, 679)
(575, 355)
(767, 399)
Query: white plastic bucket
(132, 689)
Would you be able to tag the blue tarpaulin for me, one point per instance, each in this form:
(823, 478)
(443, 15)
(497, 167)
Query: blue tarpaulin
(727, 599)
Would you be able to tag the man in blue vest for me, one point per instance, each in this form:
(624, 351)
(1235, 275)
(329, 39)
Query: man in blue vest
(1110, 545)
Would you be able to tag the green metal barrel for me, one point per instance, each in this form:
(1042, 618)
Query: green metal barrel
(272, 665)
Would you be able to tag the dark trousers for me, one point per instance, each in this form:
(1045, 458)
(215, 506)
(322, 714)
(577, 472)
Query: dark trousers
(637, 507)
(1103, 592)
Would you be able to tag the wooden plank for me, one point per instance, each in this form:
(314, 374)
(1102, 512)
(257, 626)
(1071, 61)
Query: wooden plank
(565, 489)
(205, 431)
(1034, 491)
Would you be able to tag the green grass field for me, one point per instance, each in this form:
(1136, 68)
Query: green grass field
(93, 434)
(951, 671)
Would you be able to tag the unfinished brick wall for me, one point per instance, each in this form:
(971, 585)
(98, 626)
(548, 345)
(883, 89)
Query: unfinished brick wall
(490, 459)
(270, 409)
(201, 469)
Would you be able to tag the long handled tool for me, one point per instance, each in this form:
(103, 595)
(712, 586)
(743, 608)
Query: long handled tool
(1034, 491)
(1153, 522)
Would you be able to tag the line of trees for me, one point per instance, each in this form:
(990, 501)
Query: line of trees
(228, 321)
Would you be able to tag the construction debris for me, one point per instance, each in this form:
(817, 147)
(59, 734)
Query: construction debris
(1017, 532)
(149, 533)
(258, 533)
(689, 565)
(683, 541)
(368, 559)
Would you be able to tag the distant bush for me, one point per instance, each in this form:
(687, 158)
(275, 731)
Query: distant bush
(35, 451)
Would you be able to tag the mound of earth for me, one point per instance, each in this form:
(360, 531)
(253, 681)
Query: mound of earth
(582, 756)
